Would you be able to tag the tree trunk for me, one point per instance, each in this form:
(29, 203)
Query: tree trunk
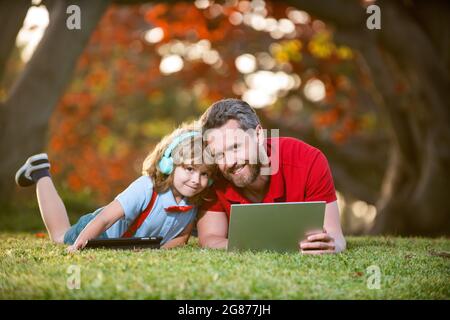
(26, 112)
(408, 59)
(12, 14)
(418, 179)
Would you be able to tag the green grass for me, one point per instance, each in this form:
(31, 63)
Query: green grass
(411, 268)
(35, 268)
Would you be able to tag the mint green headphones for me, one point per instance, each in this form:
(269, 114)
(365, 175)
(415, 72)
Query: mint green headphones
(166, 162)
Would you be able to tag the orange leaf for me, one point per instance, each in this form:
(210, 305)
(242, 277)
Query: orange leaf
(40, 235)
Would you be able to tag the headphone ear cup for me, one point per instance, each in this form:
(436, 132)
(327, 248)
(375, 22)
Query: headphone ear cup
(210, 182)
(166, 165)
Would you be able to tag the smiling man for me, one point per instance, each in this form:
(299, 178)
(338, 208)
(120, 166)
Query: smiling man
(259, 170)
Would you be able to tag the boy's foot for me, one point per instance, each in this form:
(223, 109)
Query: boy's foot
(27, 175)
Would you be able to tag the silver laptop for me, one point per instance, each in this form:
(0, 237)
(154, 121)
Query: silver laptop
(273, 226)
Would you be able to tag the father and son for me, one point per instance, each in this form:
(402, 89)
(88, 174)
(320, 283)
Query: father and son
(248, 168)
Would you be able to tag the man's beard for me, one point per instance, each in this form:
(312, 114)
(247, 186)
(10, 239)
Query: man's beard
(242, 180)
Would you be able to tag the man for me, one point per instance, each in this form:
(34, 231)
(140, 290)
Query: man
(236, 139)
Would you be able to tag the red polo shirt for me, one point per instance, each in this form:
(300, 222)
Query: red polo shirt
(303, 175)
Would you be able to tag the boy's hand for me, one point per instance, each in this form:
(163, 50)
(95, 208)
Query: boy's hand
(317, 242)
(76, 246)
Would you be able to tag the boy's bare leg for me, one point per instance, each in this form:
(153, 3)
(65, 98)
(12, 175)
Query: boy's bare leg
(52, 209)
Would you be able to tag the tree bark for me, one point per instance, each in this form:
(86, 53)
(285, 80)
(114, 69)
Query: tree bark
(26, 112)
(12, 14)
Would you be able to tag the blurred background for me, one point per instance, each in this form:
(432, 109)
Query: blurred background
(98, 98)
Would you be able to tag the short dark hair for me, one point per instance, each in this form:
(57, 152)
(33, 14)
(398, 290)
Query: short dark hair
(222, 111)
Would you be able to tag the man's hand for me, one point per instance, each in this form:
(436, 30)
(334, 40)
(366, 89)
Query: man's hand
(317, 242)
(328, 240)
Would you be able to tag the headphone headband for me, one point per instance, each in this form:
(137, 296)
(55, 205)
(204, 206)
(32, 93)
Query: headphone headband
(178, 140)
(166, 162)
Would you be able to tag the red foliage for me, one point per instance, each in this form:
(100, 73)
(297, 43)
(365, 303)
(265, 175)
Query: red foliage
(98, 138)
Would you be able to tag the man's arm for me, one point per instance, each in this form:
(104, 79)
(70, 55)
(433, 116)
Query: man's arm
(332, 225)
(331, 240)
(212, 229)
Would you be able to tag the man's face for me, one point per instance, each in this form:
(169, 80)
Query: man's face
(235, 152)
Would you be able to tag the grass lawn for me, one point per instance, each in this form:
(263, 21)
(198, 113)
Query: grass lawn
(34, 268)
(410, 268)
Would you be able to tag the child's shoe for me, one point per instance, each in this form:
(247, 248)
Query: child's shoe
(34, 168)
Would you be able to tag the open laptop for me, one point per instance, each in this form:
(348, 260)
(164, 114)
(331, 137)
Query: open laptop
(125, 243)
(273, 226)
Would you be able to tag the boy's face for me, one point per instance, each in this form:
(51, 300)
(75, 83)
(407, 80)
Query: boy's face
(235, 152)
(190, 180)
